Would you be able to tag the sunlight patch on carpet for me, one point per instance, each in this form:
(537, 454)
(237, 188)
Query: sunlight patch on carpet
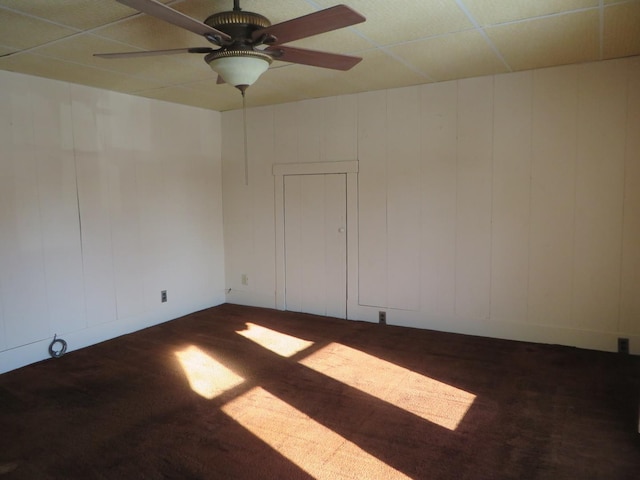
(316, 449)
(425, 397)
(278, 342)
(207, 377)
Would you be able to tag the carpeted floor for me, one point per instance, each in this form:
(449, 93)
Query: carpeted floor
(245, 393)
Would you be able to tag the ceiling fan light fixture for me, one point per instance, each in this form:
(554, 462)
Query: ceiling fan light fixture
(240, 68)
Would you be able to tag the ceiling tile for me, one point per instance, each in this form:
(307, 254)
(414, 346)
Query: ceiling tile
(621, 35)
(304, 81)
(491, 12)
(275, 11)
(338, 41)
(149, 33)
(197, 98)
(48, 67)
(459, 55)
(548, 41)
(5, 50)
(379, 70)
(270, 92)
(210, 85)
(167, 70)
(81, 14)
(395, 22)
(21, 31)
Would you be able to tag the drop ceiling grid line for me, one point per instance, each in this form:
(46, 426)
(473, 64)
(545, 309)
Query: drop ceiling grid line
(382, 48)
(414, 40)
(411, 67)
(100, 69)
(187, 87)
(352, 28)
(78, 31)
(19, 51)
(33, 51)
(157, 89)
(177, 57)
(480, 30)
(40, 19)
(545, 16)
(67, 37)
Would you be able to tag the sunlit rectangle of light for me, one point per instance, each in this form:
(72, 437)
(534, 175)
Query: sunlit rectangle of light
(280, 343)
(425, 397)
(316, 449)
(207, 377)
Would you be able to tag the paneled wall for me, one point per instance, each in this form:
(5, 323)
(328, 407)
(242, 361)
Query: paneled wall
(105, 200)
(505, 206)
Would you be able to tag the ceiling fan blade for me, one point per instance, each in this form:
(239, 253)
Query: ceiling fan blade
(312, 57)
(168, 14)
(220, 80)
(323, 21)
(151, 53)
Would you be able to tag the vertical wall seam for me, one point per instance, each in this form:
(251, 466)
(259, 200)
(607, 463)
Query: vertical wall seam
(530, 209)
(275, 221)
(421, 182)
(358, 109)
(36, 154)
(75, 169)
(455, 207)
(355, 273)
(492, 192)
(386, 196)
(346, 246)
(625, 165)
(325, 230)
(572, 303)
(478, 28)
(109, 187)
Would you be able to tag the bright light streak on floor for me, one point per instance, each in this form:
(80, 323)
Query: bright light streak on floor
(425, 397)
(316, 449)
(280, 343)
(207, 377)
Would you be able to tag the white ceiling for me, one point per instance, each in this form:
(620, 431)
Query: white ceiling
(402, 43)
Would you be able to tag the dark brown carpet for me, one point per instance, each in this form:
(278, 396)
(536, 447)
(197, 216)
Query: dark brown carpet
(205, 397)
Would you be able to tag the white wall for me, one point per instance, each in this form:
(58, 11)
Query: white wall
(505, 206)
(105, 200)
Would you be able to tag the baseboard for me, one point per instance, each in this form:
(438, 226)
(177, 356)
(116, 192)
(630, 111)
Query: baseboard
(37, 351)
(250, 298)
(520, 331)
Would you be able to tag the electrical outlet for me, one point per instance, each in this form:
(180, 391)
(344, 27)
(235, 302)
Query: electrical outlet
(382, 317)
(623, 345)
(244, 279)
(163, 296)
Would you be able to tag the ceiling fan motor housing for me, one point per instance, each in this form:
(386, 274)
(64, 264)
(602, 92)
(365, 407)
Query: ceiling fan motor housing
(238, 25)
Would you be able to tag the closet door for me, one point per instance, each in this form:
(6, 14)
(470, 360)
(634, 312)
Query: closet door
(315, 218)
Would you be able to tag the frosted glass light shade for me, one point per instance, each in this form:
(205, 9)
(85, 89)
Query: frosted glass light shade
(239, 70)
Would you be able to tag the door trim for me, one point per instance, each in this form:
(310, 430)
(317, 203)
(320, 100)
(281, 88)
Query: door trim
(350, 168)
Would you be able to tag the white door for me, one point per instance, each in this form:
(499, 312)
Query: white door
(315, 223)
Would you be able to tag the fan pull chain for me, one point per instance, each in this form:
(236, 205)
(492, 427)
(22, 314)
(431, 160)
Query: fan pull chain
(246, 148)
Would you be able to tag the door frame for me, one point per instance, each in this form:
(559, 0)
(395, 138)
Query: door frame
(350, 169)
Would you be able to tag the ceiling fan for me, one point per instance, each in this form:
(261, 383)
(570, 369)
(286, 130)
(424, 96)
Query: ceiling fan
(247, 41)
